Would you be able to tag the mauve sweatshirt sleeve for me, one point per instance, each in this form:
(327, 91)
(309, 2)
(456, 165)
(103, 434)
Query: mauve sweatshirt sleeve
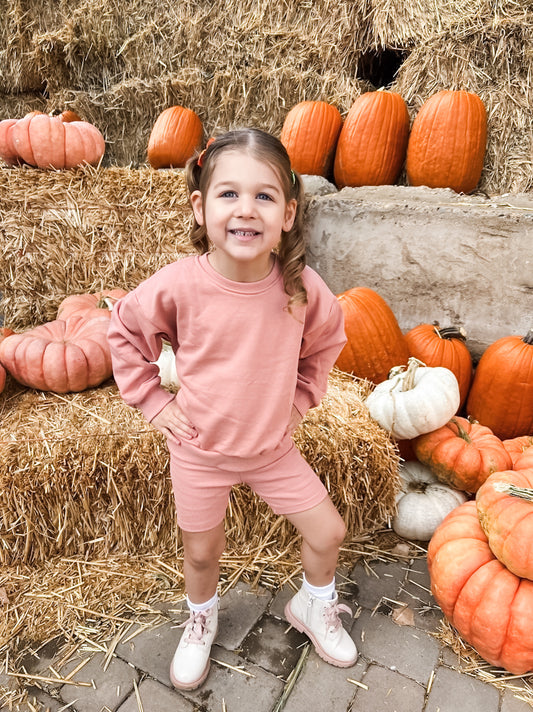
(322, 342)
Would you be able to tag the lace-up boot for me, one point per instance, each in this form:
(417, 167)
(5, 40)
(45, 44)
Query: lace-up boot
(190, 663)
(320, 621)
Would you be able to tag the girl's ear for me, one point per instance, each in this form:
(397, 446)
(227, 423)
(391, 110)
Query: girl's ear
(290, 214)
(197, 206)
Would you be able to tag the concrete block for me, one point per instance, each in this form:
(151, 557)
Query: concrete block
(452, 691)
(152, 650)
(511, 701)
(273, 645)
(378, 581)
(240, 609)
(431, 254)
(155, 697)
(388, 691)
(109, 688)
(405, 649)
(416, 593)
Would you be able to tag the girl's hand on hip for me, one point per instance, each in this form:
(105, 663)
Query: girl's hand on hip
(173, 422)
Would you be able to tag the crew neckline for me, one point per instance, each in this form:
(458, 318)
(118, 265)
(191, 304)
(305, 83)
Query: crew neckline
(242, 287)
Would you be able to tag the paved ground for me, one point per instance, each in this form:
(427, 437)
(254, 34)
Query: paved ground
(262, 665)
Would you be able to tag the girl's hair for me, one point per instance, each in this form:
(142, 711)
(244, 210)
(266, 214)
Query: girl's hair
(264, 147)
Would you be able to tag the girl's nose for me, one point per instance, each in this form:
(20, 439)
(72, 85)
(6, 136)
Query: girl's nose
(246, 206)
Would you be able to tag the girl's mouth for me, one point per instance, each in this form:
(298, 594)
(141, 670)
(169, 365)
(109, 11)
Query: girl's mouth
(244, 235)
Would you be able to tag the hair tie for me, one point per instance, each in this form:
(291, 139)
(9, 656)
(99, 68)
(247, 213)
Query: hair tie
(200, 159)
(293, 177)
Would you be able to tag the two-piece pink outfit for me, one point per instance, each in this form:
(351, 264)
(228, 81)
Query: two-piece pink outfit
(243, 360)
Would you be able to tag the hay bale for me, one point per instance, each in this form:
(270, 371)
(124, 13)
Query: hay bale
(70, 232)
(85, 475)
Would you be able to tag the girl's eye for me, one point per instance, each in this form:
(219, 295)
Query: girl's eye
(229, 194)
(264, 196)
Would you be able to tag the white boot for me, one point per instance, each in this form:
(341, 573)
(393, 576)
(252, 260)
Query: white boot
(320, 621)
(191, 661)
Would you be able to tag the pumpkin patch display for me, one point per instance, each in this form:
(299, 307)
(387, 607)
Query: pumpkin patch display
(489, 606)
(447, 143)
(446, 347)
(90, 306)
(309, 134)
(414, 400)
(423, 502)
(501, 395)
(373, 140)
(375, 341)
(175, 137)
(62, 356)
(505, 510)
(48, 141)
(462, 454)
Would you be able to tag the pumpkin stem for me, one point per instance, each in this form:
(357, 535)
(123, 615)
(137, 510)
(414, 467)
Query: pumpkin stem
(104, 303)
(413, 364)
(528, 338)
(461, 432)
(514, 491)
(451, 332)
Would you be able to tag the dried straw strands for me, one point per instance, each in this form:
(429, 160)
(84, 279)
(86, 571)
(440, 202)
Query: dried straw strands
(69, 232)
(84, 474)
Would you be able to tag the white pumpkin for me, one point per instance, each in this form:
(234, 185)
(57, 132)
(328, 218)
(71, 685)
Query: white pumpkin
(423, 502)
(415, 400)
(167, 366)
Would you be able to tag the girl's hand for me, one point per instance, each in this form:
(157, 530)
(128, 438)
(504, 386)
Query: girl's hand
(173, 422)
(294, 422)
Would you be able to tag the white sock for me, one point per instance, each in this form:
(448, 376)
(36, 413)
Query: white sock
(199, 607)
(324, 593)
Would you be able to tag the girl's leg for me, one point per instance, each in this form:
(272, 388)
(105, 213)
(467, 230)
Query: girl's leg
(316, 612)
(202, 551)
(323, 531)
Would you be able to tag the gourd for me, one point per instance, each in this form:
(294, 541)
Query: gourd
(175, 137)
(488, 605)
(309, 134)
(375, 341)
(447, 143)
(446, 347)
(59, 356)
(505, 510)
(415, 400)
(462, 454)
(373, 140)
(501, 395)
(516, 447)
(47, 141)
(90, 306)
(423, 502)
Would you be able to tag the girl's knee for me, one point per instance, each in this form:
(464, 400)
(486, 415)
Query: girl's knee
(203, 549)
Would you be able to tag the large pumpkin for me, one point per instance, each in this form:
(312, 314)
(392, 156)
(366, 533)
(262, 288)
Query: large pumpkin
(505, 510)
(60, 356)
(310, 132)
(447, 142)
(175, 137)
(462, 454)
(375, 341)
(373, 140)
(414, 400)
(90, 306)
(501, 395)
(47, 141)
(445, 347)
(7, 151)
(489, 606)
(516, 447)
(4, 333)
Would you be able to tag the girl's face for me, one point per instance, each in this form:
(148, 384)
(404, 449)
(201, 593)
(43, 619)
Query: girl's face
(244, 211)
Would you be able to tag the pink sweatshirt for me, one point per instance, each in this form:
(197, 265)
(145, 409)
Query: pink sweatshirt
(242, 359)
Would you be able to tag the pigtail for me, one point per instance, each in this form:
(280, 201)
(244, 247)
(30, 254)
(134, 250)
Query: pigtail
(291, 251)
(198, 234)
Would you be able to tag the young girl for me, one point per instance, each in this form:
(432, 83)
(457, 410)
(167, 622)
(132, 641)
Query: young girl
(255, 334)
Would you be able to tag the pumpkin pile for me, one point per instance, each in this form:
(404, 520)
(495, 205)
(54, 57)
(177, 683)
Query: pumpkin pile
(70, 353)
(445, 147)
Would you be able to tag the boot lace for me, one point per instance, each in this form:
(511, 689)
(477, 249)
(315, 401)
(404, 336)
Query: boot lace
(196, 627)
(331, 615)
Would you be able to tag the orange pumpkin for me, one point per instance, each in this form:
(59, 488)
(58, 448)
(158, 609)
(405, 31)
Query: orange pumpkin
(373, 140)
(462, 454)
(310, 132)
(489, 606)
(501, 395)
(59, 356)
(7, 151)
(505, 510)
(447, 143)
(46, 141)
(375, 341)
(443, 347)
(90, 306)
(175, 137)
(68, 115)
(516, 447)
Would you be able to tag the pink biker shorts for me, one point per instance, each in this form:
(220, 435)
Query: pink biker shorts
(202, 481)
